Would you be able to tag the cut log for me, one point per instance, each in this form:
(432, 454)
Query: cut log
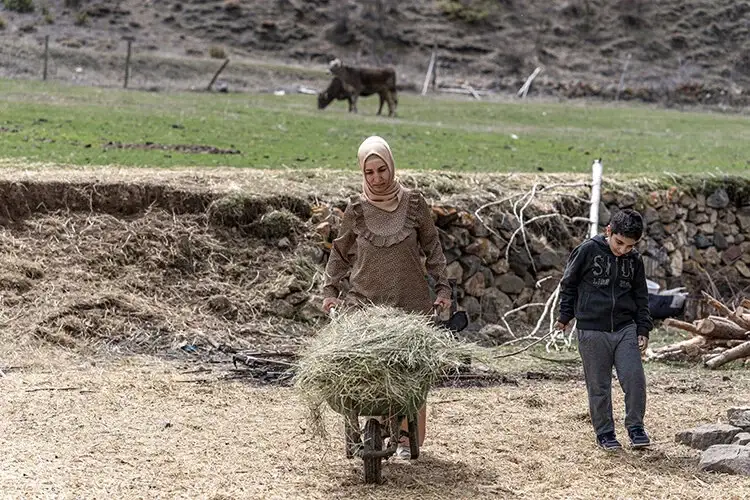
(745, 303)
(723, 309)
(692, 344)
(717, 328)
(681, 325)
(741, 351)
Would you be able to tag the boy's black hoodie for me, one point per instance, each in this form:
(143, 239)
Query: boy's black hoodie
(602, 291)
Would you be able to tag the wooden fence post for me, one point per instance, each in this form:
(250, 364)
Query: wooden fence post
(216, 75)
(127, 62)
(46, 56)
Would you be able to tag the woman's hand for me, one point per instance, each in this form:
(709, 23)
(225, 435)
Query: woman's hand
(329, 303)
(442, 303)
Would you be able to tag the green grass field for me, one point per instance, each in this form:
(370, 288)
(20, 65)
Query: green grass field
(70, 125)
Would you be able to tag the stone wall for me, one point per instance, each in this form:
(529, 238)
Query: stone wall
(697, 236)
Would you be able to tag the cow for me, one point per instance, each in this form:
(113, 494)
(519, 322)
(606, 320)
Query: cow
(366, 81)
(336, 91)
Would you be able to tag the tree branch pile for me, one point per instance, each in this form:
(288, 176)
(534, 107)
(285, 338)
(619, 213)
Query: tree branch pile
(717, 339)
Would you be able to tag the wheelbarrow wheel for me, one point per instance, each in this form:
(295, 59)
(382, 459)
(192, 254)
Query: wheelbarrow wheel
(413, 437)
(373, 443)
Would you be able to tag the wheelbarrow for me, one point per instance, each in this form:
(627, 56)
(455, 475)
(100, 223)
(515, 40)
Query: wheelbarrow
(384, 422)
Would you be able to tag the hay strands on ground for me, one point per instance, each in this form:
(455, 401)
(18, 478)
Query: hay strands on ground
(717, 339)
(264, 366)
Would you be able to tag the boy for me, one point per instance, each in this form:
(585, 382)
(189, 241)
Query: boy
(604, 289)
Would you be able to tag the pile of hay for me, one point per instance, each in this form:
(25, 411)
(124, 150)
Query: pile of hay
(379, 359)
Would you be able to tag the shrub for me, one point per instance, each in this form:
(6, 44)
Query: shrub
(2, 23)
(73, 3)
(232, 5)
(217, 52)
(22, 6)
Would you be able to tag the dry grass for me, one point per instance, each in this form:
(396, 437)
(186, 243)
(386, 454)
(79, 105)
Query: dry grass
(139, 427)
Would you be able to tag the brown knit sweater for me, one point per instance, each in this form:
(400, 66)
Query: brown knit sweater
(382, 251)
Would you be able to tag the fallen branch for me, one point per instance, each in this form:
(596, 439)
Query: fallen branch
(680, 325)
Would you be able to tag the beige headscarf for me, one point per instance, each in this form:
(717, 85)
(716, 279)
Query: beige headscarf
(389, 197)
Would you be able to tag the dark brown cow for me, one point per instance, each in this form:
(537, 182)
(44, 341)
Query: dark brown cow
(367, 81)
(336, 91)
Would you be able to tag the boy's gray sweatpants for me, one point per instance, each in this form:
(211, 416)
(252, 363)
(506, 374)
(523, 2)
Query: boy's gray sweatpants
(599, 352)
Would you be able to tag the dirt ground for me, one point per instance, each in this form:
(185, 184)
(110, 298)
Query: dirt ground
(140, 427)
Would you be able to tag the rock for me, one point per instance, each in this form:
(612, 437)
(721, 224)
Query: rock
(723, 228)
(702, 241)
(475, 285)
(742, 439)
(691, 230)
(452, 255)
(706, 228)
(742, 269)
(455, 271)
(656, 231)
(462, 236)
(471, 264)
(548, 259)
(667, 215)
(743, 219)
(494, 304)
(729, 218)
(707, 435)
(675, 264)
(472, 307)
(495, 333)
(700, 201)
(510, 283)
(485, 250)
(739, 416)
(650, 215)
(524, 297)
(720, 241)
(688, 201)
(627, 200)
(727, 458)
(731, 254)
(713, 216)
(500, 267)
(718, 199)
(711, 256)
(604, 214)
(447, 240)
(479, 229)
(519, 261)
(669, 246)
(698, 217)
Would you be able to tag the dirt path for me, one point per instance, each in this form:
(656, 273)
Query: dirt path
(141, 427)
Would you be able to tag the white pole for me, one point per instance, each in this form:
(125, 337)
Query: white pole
(429, 73)
(596, 195)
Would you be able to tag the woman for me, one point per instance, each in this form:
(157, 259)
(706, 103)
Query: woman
(384, 233)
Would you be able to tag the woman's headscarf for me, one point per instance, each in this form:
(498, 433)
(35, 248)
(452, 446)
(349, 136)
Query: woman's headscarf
(388, 197)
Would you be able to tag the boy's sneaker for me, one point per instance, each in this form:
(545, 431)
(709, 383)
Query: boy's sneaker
(638, 437)
(608, 441)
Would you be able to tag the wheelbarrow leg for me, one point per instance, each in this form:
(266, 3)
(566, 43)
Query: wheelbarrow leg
(413, 421)
(352, 433)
